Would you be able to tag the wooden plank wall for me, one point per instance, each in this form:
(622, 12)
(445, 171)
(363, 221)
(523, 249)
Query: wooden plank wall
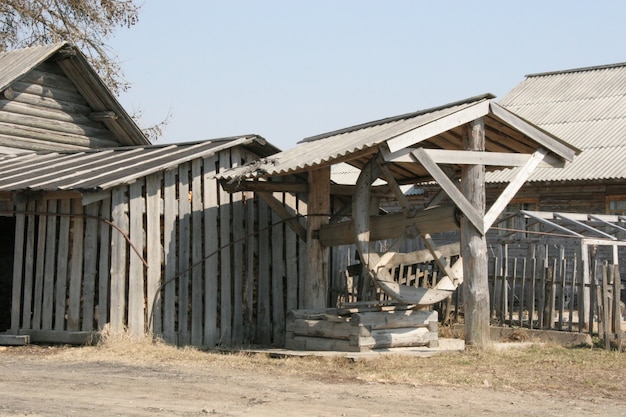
(185, 261)
(58, 259)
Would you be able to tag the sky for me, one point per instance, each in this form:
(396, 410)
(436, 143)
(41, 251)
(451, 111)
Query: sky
(287, 70)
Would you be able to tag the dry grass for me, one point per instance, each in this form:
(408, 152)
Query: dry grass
(580, 372)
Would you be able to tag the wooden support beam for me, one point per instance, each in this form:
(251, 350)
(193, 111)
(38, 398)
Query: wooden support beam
(317, 278)
(282, 212)
(461, 201)
(474, 243)
(296, 187)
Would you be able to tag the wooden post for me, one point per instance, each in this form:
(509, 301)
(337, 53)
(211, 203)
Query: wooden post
(316, 284)
(474, 243)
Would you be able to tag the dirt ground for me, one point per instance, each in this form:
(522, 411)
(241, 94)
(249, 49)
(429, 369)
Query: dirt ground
(61, 381)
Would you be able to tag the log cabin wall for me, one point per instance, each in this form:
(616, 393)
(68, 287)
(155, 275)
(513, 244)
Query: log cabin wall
(43, 110)
(184, 260)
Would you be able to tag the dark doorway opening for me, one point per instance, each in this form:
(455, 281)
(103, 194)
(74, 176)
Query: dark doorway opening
(7, 247)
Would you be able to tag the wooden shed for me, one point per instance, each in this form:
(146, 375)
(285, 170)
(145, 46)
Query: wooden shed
(144, 239)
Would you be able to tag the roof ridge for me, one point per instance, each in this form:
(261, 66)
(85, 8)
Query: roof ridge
(486, 96)
(581, 69)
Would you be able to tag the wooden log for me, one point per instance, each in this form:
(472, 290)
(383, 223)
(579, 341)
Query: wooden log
(391, 338)
(70, 138)
(431, 220)
(211, 256)
(29, 98)
(474, 244)
(14, 340)
(394, 319)
(327, 329)
(317, 278)
(291, 255)
(319, 343)
(64, 337)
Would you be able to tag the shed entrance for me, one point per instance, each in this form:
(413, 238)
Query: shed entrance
(7, 246)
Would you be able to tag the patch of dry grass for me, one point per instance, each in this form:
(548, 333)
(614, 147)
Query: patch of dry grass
(581, 372)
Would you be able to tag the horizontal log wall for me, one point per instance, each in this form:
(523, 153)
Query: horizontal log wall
(43, 110)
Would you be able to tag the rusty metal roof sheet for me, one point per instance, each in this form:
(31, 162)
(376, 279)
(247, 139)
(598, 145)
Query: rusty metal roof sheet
(102, 169)
(587, 108)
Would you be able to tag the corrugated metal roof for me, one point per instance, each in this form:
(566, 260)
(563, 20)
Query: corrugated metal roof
(434, 128)
(14, 64)
(101, 169)
(587, 108)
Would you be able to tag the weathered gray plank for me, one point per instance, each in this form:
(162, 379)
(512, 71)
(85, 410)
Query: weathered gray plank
(226, 271)
(278, 273)
(42, 207)
(48, 279)
(264, 326)
(153, 252)
(76, 266)
(184, 247)
(104, 271)
(170, 213)
(238, 256)
(90, 265)
(197, 310)
(211, 255)
(136, 300)
(18, 259)
(60, 293)
(119, 216)
(317, 279)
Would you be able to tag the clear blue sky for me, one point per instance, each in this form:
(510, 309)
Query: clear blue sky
(287, 70)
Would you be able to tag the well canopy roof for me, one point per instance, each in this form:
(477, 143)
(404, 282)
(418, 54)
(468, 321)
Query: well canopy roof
(435, 128)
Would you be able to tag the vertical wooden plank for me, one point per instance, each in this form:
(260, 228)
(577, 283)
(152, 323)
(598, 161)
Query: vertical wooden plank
(512, 296)
(211, 254)
(153, 253)
(76, 266)
(583, 286)
(533, 293)
(42, 208)
(561, 291)
(104, 275)
(302, 252)
(252, 253)
(136, 292)
(238, 232)
(226, 266)
(317, 280)
(29, 270)
(617, 311)
(18, 266)
(278, 273)
(170, 214)
(119, 216)
(50, 265)
(291, 258)
(606, 324)
(522, 298)
(90, 265)
(197, 287)
(184, 248)
(572, 292)
(593, 288)
(264, 327)
(63, 249)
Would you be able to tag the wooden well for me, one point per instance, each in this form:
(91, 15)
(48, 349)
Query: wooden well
(361, 329)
